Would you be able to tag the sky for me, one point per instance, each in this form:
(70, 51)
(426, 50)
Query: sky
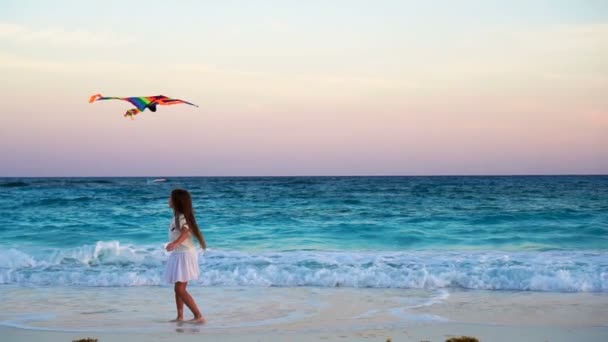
(305, 87)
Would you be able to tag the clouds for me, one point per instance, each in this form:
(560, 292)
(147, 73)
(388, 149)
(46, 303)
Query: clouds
(58, 36)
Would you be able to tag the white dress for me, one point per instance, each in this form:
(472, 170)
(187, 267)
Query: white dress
(182, 265)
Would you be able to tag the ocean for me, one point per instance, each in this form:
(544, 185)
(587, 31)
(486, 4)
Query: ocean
(515, 233)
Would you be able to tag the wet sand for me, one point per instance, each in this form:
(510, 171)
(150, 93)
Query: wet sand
(301, 314)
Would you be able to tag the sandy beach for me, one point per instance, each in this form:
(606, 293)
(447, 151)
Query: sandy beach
(302, 314)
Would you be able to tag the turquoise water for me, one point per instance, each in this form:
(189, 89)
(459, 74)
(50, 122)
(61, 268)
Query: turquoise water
(499, 233)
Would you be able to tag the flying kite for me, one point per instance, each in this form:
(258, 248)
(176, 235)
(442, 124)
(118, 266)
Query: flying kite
(142, 102)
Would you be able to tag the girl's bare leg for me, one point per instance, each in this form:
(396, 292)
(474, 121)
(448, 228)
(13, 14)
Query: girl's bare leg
(189, 301)
(179, 303)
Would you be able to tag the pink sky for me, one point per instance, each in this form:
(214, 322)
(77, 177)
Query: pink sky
(381, 99)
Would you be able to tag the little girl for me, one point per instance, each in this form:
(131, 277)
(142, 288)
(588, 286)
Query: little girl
(182, 265)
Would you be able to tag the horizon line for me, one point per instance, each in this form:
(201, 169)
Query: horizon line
(329, 176)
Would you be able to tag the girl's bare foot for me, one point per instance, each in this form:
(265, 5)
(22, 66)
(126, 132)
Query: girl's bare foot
(198, 320)
(178, 319)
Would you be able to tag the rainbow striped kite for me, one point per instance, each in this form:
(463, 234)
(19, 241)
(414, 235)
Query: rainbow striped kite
(142, 102)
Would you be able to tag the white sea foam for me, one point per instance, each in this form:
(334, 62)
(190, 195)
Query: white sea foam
(110, 263)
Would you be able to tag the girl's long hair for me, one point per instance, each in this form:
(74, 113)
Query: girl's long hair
(182, 204)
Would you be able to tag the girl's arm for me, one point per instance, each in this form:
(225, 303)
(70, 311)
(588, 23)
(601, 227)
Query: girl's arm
(182, 237)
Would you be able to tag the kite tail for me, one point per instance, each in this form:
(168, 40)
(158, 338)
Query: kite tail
(131, 113)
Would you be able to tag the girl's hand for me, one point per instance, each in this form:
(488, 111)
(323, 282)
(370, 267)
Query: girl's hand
(170, 247)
